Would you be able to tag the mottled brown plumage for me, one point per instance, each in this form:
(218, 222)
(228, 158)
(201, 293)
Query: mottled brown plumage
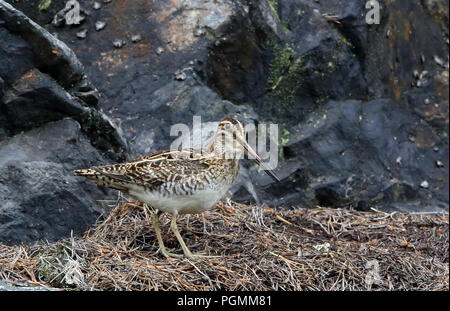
(170, 172)
(179, 181)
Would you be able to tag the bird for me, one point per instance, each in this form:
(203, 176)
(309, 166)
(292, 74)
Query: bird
(186, 181)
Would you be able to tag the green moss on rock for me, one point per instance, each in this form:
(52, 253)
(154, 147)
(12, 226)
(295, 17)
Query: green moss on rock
(284, 74)
(44, 4)
(273, 4)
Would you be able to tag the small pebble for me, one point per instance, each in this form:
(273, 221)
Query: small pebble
(399, 160)
(118, 43)
(436, 149)
(82, 34)
(438, 60)
(159, 50)
(439, 164)
(99, 25)
(96, 5)
(424, 184)
(199, 31)
(427, 101)
(388, 33)
(180, 75)
(136, 38)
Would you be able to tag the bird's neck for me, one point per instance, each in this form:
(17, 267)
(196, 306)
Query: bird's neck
(225, 147)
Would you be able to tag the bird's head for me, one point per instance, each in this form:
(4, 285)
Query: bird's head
(230, 143)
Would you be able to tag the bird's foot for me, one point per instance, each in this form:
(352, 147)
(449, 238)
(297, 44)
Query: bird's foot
(200, 255)
(167, 254)
(189, 255)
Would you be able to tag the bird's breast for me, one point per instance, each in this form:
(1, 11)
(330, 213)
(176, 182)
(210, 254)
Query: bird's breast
(189, 203)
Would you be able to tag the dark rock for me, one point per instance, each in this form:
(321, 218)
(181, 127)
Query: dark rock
(90, 98)
(51, 56)
(266, 21)
(177, 102)
(438, 10)
(350, 157)
(41, 199)
(103, 134)
(2, 85)
(17, 48)
(48, 127)
(297, 58)
(85, 86)
(35, 99)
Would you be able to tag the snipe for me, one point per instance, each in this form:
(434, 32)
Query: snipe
(180, 181)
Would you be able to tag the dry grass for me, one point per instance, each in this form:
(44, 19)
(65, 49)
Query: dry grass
(259, 248)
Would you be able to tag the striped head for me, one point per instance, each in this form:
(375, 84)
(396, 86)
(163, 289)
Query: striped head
(230, 143)
(227, 140)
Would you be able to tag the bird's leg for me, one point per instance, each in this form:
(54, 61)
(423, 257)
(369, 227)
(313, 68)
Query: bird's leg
(174, 227)
(162, 248)
(187, 252)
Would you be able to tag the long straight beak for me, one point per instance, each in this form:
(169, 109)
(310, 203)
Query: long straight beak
(258, 160)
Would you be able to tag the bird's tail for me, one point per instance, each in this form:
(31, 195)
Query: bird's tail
(102, 178)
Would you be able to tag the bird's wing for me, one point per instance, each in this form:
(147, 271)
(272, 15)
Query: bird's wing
(154, 170)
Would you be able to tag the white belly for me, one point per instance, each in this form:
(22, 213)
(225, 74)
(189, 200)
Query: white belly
(198, 202)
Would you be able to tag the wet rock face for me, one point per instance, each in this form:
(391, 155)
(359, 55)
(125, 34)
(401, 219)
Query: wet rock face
(35, 99)
(41, 199)
(49, 126)
(362, 109)
(359, 154)
(326, 51)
